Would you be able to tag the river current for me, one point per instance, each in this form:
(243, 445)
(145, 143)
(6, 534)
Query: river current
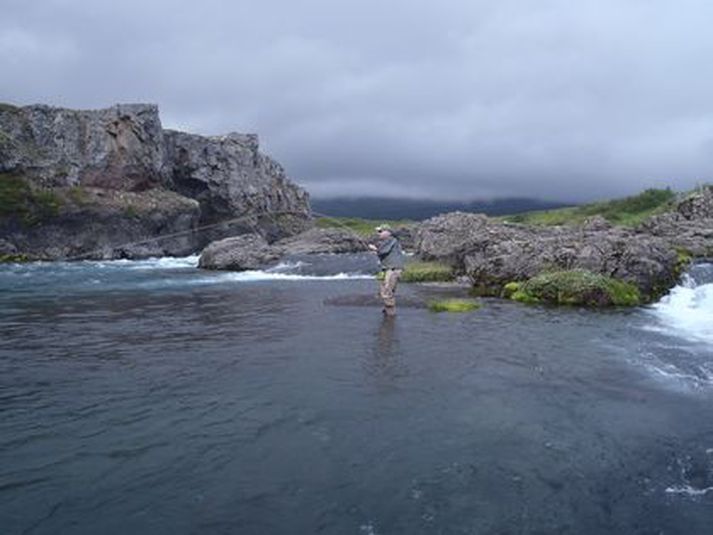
(152, 397)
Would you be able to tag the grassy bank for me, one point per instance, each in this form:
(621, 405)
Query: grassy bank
(628, 211)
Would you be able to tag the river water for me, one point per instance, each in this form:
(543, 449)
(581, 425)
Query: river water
(151, 397)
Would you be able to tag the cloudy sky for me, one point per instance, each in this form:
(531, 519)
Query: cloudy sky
(556, 99)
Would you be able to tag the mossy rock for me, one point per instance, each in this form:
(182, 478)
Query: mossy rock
(577, 287)
(453, 305)
(425, 272)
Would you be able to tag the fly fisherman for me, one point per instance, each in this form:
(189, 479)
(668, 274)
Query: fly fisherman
(391, 258)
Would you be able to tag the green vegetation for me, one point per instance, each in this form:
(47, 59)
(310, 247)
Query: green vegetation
(364, 227)
(18, 199)
(13, 258)
(510, 289)
(453, 305)
(683, 260)
(425, 272)
(78, 195)
(577, 287)
(629, 211)
(14, 193)
(4, 106)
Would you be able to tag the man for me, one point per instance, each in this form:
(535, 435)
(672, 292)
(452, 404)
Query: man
(392, 262)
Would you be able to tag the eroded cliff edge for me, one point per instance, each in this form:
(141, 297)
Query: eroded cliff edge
(101, 183)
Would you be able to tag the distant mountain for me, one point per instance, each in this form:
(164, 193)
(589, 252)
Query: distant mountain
(419, 209)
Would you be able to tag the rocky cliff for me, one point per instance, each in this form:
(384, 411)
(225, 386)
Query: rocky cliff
(106, 183)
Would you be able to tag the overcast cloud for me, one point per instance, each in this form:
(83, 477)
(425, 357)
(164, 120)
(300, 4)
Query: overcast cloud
(558, 99)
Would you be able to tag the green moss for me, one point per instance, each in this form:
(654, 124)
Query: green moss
(364, 227)
(577, 287)
(629, 211)
(684, 257)
(453, 305)
(425, 272)
(509, 289)
(13, 258)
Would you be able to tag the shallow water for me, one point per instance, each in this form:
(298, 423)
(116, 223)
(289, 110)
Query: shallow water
(150, 397)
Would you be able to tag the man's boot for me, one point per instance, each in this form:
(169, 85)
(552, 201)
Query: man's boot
(389, 311)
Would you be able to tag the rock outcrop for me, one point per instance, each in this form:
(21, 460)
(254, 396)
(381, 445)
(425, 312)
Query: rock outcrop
(492, 253)
(253, 252)
(323, 240)
(77, 183)
(240, 253)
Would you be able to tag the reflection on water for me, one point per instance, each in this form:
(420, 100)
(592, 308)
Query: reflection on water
(386, 364)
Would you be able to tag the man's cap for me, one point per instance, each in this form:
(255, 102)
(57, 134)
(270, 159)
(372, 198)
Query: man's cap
(383, 227)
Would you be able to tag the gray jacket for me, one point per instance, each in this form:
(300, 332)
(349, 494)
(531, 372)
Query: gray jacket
(390, 254)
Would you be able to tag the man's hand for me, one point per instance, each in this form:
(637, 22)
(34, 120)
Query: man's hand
(372, 247)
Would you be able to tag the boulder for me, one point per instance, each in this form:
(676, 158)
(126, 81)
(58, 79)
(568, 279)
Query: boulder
(323, 240)
(239, 253)
(252, 251)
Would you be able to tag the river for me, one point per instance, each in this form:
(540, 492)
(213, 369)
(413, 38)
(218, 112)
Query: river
(152, 397)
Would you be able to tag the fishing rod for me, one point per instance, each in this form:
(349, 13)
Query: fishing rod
(202, 228)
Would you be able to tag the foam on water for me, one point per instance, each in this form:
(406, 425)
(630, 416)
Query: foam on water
(688, 310)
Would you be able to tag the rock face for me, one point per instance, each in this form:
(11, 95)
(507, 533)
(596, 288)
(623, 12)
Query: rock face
(250, 251)
(78, 183)
(254, 252)
(689, 227)
(323, 240)
(229, 176)
(492, 253)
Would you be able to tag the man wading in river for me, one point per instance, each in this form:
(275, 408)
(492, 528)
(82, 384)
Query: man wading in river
(391, 258)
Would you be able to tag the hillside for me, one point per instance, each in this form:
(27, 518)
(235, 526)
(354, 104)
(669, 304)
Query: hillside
(628, 211)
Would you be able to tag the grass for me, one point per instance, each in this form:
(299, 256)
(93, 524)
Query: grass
(629, 211)
(577, 287)
(363, 227)
(425, 272)
(453, 305)
(18, 199)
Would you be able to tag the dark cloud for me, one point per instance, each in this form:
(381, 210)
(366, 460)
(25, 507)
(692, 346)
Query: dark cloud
(452, 99)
